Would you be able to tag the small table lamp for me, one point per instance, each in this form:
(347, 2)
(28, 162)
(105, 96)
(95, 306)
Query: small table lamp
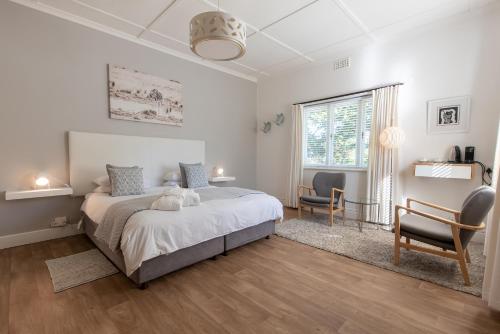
(218, 171)
(42, 182)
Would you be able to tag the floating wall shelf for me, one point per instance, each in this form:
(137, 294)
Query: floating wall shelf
(221, 178)
(444, 170)
(23, 194)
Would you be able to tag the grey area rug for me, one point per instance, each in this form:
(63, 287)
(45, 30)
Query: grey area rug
(73, 270)
(376, 247)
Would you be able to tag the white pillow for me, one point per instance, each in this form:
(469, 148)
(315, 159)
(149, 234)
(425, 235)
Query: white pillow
(174, 184)
(102, 189)
(102, 181)
(172, 176)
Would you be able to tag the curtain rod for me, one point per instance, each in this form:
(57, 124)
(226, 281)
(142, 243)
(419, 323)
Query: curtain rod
(353, 93)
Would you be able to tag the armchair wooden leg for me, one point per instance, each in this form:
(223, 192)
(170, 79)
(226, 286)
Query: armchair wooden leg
(408, 242)
(343, 216)
(331, 218)
(312, 211)
(397, 238)
(463, 267)
(467, 256)
(397, 247)
(460, 254)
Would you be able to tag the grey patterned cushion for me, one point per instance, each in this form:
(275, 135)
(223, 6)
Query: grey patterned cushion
(183, 172)
(125, 180)
(196, 176)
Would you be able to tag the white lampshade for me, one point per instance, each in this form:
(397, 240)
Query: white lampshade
(392, 137)
(42, 182)
(218, 36)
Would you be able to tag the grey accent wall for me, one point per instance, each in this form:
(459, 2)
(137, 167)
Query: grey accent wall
(53, 79)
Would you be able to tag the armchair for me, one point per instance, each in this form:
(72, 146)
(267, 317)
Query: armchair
(328, 194)
(452, 237)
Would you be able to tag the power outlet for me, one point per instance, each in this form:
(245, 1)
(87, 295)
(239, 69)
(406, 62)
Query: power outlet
(59, 221)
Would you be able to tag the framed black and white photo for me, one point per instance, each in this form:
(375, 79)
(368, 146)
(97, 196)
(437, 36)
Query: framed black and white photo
(140, 97)
(450, 115)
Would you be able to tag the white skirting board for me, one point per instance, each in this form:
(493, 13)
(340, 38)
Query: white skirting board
(13, 240)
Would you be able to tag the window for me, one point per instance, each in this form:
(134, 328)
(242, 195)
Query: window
(337, 134)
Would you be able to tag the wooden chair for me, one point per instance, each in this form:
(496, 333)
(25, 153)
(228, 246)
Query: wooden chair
(451, 236)
(329, 194)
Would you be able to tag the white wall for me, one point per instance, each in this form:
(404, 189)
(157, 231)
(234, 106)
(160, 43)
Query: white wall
(459, 56)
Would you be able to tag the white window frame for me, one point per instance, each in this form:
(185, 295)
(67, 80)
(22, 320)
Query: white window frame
(360, 133)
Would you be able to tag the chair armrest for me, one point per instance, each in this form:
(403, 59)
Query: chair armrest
(431, 205)
(438, 219)
(300, 186)
(332, 196)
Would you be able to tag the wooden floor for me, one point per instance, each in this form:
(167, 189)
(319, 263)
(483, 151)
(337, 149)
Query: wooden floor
(269, 286)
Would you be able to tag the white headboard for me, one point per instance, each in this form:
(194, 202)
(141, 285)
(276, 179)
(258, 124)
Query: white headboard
(90, 152)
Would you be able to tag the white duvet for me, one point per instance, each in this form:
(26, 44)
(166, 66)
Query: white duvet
(151, 233)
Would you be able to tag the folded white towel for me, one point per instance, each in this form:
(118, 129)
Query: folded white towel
(173, 199)
(191, 199)
(167, 203)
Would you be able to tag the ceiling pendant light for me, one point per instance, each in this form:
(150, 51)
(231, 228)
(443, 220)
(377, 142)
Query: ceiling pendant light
(218, 36)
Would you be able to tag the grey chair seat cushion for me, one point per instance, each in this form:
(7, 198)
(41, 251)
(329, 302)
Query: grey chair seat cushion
(440, 244)
(426, 228)
(319, 201)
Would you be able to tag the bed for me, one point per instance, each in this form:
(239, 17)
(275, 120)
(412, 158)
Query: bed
(153, 242)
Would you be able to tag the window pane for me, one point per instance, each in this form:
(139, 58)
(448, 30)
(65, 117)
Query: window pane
(345, 119)
(316, 132)
(367, 106)
(337, 134)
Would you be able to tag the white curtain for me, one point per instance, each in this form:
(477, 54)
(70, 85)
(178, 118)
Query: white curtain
(491, 281)
(296, 165)
(382, 162)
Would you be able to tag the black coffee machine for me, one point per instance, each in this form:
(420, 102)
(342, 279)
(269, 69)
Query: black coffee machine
(456, 154)
(469, 154)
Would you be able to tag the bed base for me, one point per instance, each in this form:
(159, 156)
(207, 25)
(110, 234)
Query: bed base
(250, 234)
(164, 264)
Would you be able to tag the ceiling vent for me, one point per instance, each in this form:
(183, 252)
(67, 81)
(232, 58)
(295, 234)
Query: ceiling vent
(342, 63)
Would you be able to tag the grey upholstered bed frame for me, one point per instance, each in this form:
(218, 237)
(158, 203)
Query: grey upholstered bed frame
(165, 264)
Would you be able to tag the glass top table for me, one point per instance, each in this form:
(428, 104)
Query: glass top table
(365, 202)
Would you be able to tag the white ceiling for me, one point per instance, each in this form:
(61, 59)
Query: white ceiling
(283, 34)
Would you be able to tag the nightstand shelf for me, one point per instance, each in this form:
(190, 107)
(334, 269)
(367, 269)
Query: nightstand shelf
(221, 179)
(444, 170)
(24, 194)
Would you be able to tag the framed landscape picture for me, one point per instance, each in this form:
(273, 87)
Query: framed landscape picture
(450, 115)
(140, 97)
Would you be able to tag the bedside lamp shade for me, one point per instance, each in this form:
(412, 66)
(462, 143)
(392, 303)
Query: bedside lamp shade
(392, 137)
(42, 182)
